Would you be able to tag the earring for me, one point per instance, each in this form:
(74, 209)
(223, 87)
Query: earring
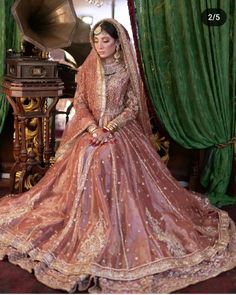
(117, 54)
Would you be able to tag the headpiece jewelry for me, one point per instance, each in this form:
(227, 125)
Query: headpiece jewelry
(98, 29)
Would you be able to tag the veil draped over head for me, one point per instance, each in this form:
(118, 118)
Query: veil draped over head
(90, 97)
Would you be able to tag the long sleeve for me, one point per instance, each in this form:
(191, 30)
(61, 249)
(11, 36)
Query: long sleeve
(82, 110)
(130, 111)
(81, 120)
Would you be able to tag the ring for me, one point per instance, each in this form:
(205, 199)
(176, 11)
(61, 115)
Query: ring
(110, 136)
(95, 134)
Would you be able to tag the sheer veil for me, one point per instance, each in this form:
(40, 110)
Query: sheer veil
(132, 67)
(90, 97)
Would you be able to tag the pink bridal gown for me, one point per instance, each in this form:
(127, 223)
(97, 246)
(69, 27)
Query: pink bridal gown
(113, 214)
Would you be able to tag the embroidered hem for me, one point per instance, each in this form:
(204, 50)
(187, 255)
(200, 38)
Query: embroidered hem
(186, 270)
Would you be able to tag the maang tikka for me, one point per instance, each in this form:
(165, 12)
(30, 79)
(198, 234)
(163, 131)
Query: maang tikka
(98, 29)
(117, 54)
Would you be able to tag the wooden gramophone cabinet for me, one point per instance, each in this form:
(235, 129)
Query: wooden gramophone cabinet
(32, 88)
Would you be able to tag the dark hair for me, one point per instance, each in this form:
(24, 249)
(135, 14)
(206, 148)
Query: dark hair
(108, 28)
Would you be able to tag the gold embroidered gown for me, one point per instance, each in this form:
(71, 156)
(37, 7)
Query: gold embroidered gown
(114, 212)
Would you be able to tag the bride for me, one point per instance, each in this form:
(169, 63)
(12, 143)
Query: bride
(108, 216)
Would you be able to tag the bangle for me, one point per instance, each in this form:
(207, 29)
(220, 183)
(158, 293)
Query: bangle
(92, 128)
(112, 127)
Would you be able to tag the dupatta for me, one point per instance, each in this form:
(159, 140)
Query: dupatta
(90, 97)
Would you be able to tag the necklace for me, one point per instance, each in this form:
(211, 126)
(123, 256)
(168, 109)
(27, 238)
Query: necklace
(112, 68)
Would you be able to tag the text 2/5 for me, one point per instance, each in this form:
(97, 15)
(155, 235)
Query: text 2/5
(214, 17)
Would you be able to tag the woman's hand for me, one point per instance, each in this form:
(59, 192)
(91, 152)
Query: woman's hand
(101, 136)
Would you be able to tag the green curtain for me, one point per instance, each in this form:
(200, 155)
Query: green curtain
(190, 74)
(9, 38)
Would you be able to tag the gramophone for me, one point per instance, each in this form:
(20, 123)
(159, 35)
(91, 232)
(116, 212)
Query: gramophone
(48, 25)
(32, 83)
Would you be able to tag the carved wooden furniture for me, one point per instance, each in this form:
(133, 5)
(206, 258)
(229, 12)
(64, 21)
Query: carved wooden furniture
(33, 90)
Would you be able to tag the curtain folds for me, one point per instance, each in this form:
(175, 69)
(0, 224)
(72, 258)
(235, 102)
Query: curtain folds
(190, 75)
(9, 38)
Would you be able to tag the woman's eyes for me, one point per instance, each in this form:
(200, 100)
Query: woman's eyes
(104, 41)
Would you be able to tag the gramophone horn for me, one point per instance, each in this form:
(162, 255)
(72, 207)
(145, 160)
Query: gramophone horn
(47, 24)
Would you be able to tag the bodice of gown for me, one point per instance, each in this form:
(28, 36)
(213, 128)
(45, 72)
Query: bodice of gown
(116, 81)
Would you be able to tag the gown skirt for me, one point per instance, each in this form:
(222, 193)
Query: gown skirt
(113, 218)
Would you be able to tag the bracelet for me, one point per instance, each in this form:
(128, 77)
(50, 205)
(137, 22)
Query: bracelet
(112, 127)
(92, 128)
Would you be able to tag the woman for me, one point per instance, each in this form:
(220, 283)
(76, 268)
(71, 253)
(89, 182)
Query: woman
(108, 215)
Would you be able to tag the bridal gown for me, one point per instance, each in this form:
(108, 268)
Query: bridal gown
(114, 215)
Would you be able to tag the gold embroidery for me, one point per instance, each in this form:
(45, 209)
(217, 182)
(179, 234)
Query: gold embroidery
(173, 243)
(141, 286)
(114, 176)
(66, 276)
(101, 88)
(93, 245)
(6, 219)
(151, 176)
(207, 230)
(165, 264)
(170, 281)
(65, 147)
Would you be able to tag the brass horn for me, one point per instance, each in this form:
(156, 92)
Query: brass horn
(50, 24)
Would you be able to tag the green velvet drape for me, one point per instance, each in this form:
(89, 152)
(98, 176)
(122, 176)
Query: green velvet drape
(9, 38)
(190, 74)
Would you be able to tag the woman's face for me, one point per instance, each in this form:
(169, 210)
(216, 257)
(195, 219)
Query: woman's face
(105, 45)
